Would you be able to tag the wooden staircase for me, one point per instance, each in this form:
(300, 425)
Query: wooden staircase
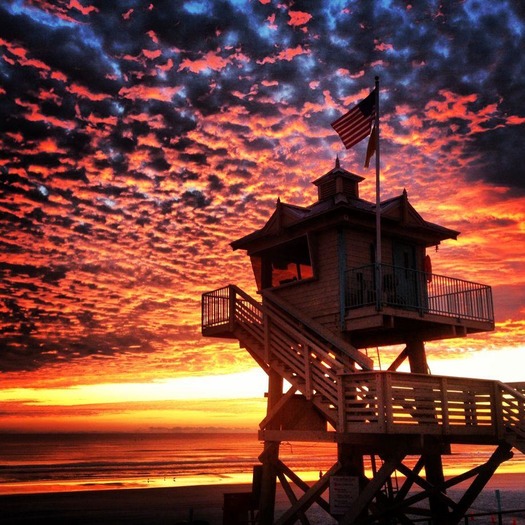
(342, 384)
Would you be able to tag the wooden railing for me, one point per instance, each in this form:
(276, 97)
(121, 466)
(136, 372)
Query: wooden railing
(324, 369)
(414, 290)
(309, 359)
(395, 402)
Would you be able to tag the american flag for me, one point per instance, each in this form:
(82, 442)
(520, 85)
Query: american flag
(355, 125)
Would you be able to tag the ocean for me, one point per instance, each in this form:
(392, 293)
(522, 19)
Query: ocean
(31, 463)
(34, 463)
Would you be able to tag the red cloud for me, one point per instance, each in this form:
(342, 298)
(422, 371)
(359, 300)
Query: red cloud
(298, 18)
(82, 91)
(210, 61)
(286, 54)
(142, 92)
(152, 54)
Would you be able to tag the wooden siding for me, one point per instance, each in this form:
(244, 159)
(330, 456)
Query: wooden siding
(318, 298)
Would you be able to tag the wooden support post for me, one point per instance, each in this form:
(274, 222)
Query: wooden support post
(270, 456)
(268, 482)
(435, 477)
(351, 463)
(417, 356)
(432, 459)
(350, 460)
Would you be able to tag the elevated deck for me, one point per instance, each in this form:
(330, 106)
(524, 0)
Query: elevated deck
(362, 405)
(436, 306)
(334, 395)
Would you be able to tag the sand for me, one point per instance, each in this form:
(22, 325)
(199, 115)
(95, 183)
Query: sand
(202, 504)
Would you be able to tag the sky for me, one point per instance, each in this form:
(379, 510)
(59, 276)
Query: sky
(138, 139)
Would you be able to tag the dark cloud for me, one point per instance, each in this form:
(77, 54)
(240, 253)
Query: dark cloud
(497, 155)
(196, 199)
(133, 133)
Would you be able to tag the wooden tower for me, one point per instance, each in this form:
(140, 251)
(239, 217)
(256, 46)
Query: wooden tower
(324, 301)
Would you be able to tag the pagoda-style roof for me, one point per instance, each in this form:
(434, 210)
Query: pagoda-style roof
(339, 202)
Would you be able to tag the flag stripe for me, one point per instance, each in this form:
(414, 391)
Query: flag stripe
(355, 125)
(354, 128)
(354, 134)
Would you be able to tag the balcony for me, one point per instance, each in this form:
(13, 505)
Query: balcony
(428, 305)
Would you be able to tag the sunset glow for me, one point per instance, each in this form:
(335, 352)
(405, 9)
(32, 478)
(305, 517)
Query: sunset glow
(137, 143)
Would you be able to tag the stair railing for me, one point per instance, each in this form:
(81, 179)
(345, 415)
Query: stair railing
(304, 353)
(512, 410)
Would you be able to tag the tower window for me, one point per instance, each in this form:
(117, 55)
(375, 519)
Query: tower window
(283, 264)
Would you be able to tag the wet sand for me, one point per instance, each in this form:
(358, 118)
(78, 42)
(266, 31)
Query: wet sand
(197, 505)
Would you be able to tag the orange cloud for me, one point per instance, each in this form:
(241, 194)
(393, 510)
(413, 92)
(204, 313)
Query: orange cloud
(449, 106)
(33, 113)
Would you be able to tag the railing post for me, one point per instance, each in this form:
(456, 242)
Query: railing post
(341, 405)
(444, 406)
(204, 307)
(232, 298)
(379, 287)
(387, 396)
(381, 401)
(307, 372)
(497, 410)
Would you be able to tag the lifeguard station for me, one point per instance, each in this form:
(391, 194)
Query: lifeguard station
(324, 301)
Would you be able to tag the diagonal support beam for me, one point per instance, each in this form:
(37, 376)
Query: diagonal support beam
(501, 454)
(372, 489)
(398, 361)
(429, 489)
(305, 501)
(292, 498)
(301, 484)
(273, 411)
(410, 479)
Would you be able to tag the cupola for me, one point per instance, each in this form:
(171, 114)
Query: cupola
(339, 184)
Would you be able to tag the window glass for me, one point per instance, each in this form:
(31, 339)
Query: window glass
(283, 264)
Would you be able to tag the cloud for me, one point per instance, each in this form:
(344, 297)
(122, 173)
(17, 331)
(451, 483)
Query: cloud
(139, 142)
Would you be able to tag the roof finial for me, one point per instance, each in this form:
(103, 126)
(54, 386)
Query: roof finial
(337, 165)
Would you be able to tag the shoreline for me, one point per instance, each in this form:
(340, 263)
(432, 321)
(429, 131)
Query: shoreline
(177, 505)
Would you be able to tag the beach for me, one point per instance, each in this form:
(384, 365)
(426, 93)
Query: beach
(202, 504)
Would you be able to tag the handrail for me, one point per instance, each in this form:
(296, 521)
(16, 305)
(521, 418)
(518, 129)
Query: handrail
(317, 331)
(301, 351)
(409, 289)
(399, 402)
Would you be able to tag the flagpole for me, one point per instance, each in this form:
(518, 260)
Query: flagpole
(378, 203)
